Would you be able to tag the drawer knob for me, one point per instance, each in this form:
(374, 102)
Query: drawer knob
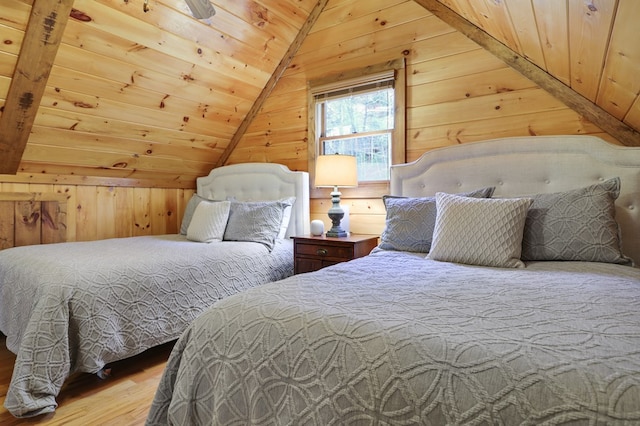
(322, 252)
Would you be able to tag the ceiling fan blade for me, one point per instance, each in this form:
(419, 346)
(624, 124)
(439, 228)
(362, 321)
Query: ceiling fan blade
(201, 9)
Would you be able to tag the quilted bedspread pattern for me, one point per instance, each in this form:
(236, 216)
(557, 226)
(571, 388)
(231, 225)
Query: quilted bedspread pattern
(80, 306)
(393, 338)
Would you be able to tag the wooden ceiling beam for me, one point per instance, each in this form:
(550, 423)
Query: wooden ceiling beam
(273, 80)
(601, 118)
(39, 48)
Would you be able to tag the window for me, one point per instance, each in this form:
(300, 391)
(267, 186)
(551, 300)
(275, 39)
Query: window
(358, 121)
(361, 115)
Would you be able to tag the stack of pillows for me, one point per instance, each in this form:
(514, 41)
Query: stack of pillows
(230, 220)
(473, 228)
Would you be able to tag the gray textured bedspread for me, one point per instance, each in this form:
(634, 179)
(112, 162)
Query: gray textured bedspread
(394, 339)
(78, 306)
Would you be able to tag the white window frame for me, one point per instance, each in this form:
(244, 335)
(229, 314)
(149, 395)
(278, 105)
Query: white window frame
(357, 78)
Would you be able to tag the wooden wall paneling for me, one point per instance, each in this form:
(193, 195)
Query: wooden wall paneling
(171, 218)
(366, 215)
(259, 51)
(374, 16)
(291, 12)
(190, 119)
(113, 176)
(140, 93)
(474, 85)
(181, 80)
(554, 122)
(620, 85)
(551, 84)
(121, 164)
(441, 46)
(589, 24)
(7, 223)
(86, 213)
(329, 57)
(524, 23)
(12, 40)
(53, 222)
(261, 17)
(27, 225)
(69, 193)
(272, 81)
(456, 65)
(114, 20)
(193, 160)
(105, 212)
(141, 211)
(283, 152)
(90, 124)
(494, 18)
(506, 104)
(248, 43)
(464, 8)
(15, 14)
(124, 216)
(341, 13)
(552, 20)
(158, 211)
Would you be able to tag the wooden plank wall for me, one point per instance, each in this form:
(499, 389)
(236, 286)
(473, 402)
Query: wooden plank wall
(52, 213)
(32, 218)
(456, 93)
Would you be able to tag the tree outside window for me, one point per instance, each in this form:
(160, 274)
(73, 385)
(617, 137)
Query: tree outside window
(359, 123)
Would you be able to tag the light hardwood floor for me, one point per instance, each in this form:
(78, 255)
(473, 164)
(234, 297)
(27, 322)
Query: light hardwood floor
(120, 400)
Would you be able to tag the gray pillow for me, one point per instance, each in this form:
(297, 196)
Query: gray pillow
(575, 225)
(410, 221)
(478, 231)
(257, 221)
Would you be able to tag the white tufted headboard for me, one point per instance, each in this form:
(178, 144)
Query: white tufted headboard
(530, 165)
(260, 182)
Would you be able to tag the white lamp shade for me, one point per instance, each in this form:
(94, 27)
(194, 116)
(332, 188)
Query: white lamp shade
(336, 170)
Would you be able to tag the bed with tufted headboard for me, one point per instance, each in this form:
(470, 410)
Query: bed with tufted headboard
(76, 307)
(502, 292)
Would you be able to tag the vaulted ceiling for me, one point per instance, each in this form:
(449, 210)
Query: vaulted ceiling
(121, 86)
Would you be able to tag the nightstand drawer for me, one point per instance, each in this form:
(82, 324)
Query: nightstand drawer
(316, 252)
(324, 251)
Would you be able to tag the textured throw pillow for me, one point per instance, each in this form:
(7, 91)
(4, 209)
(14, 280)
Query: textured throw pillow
(477, 231)
(257, 221)
(209, 221)
(410, 221)
(188, 212)
(575, 225)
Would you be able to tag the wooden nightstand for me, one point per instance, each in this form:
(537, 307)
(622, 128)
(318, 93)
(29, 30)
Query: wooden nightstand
(312, 253)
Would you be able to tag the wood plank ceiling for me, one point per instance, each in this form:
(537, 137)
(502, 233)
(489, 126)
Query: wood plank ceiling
(140, 89)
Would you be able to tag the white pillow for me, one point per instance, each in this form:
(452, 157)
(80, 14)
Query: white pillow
(286, 217)
(479, 231)
(209, 221)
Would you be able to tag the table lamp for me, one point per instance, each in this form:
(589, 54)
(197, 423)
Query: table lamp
(336, 170)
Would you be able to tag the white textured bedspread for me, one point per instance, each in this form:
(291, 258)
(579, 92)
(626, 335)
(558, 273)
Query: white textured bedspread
(78, 306)
(395, 339)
